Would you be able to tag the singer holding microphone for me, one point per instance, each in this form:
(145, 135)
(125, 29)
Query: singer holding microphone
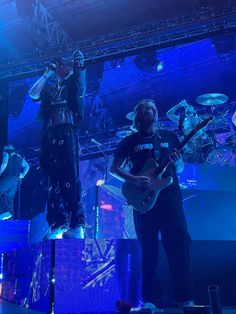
(61, 91)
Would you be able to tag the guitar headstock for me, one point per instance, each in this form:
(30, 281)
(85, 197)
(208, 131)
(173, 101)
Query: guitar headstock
(203, 124)
(198, 127)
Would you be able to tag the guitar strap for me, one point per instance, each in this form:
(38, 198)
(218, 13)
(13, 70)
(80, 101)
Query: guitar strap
(156, 146)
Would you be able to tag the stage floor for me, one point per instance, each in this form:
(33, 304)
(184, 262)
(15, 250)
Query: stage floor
(11, 308)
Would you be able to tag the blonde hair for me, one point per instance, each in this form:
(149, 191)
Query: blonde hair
(141, 107)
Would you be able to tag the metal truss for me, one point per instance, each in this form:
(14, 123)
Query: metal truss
(155, 35)
(49, 32)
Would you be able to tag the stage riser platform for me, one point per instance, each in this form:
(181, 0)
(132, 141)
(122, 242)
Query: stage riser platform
(14, 234)
(87, 277)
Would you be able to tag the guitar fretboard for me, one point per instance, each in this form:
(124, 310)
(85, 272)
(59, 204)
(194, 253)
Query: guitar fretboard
(165, 163)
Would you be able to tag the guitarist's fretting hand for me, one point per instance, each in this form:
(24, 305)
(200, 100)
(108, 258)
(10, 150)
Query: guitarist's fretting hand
(142, 181)
(175, 156)
(176, 159)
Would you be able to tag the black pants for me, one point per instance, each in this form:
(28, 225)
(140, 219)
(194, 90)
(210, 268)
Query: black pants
(8, 188)
(60, 159)
(168, 218)
(128, 269)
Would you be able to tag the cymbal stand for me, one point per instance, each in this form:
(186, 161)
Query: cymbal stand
(214, 127)
(214, 154)
(233, 129)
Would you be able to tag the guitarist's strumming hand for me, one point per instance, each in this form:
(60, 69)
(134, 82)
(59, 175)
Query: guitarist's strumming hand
(142, 181)
(176, 159)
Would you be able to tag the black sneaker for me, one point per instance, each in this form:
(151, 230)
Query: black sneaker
(56, 233)
(149, 307)
(186, 303)
(74, 233)
(5, 216)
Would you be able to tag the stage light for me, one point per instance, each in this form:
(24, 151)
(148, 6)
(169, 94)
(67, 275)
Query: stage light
(160, 66)
(100, 182)
(1, 276)
(105, 206)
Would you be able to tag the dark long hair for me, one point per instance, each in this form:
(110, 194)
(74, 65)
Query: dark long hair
(139, 108)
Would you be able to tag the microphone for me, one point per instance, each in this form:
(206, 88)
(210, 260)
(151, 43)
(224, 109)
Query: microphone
(50, 66)
(95, 142)
(78, 59)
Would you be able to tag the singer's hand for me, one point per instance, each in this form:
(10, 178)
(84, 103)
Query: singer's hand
(78, 58)
(51, 66)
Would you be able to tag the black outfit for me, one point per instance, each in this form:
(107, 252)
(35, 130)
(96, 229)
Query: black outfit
(61, 110)
(9, 181)
(128, 258)
(166, 217)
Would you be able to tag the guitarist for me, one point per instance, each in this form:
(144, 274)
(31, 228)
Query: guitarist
(167, 216)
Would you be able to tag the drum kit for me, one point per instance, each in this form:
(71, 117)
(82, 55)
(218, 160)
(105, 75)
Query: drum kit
(221, 131)
(217, 142)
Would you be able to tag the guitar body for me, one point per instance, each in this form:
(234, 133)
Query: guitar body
(143, 199)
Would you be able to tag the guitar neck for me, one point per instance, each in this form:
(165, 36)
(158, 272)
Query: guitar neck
(165, 163)
(180, 146)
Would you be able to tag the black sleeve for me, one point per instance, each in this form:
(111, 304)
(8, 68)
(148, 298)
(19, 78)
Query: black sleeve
(77, 81)
(45, 107)
(80, 93)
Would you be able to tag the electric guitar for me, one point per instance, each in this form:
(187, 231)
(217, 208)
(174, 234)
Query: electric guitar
(143, 199)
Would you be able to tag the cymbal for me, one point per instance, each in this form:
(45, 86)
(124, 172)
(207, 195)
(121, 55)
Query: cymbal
(213, 99)
(130, 116)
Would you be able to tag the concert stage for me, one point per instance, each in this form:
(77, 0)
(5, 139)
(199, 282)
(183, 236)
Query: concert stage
(11, 308)
(180, 56)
